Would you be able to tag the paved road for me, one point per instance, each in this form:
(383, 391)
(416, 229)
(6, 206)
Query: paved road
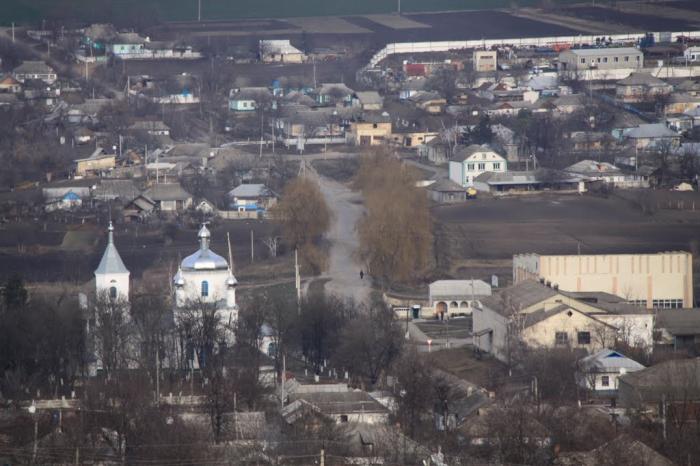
(343, 266)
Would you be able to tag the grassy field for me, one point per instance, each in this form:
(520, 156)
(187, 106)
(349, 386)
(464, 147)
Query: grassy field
(33, 11)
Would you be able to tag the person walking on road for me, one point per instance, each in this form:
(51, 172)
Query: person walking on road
(362, 274)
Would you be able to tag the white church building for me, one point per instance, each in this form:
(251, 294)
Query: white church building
(111, 275)
(206, 279)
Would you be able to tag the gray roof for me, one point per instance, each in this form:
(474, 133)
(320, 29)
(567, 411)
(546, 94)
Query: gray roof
(462, 153)
(447, 289)
(350, 402)
(125, 190)
(604, 51)
(679, 321)
(369, 98)
(33, 67)
(167, 192)
(677, 379)
(639, 78)
(250, 191)
(204, 258)
(634, 452)
(445, 185)
(517, 297)
(328, 88)
(607, 360)
(111, 262)
(251, 93)
(593, 168)
(651, 130)
(532, 177)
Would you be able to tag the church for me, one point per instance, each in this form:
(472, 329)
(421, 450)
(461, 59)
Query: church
(205, 280)
(203, 285)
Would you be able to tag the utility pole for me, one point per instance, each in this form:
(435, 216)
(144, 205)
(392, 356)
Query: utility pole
(252, 247)
(13, 32)
(157, 376)
(323, 457)
(399, 7)
(199, 10)
(297, 279)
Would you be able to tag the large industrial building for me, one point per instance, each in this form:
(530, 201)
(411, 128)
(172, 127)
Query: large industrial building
(662, 280)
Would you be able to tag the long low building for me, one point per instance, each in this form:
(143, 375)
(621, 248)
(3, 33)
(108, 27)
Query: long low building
(661, 280)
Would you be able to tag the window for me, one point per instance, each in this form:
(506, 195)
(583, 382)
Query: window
(637, 57)
(482, 166)
(343, 418)
(470, 167)
(561, 338)
(584, 338)
(205, 289)
(583, 60)
(668, 303)
(496, 165)
(605, 380)
(605, 59)
(616, 59)
(598, 59)
(639, 302)
(113, 292)
(627, 58)
(374, 125)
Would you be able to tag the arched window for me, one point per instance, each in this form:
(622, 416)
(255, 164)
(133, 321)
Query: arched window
(205, 288)
(113, 292)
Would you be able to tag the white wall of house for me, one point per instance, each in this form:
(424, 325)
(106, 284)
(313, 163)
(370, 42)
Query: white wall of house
(463, 173)
(494, 341)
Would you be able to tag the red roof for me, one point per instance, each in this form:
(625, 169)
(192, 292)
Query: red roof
(414, 69)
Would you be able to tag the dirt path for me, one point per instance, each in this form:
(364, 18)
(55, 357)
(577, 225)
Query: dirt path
(343, 264)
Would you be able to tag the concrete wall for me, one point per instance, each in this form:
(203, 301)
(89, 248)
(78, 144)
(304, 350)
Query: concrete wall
(543, 334)
(443, 46)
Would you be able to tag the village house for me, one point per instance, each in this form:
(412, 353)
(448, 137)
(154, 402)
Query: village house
(590, 141)
(369, 100)
(467, 163)
(608, 173)
(10, 85)
(436, 150)
(612, 61)
(663, 280)
(671, 386)
(98, 162)
(651, 136)
(679, 102)
(598, 372)
(446, 191)
(371, 131)
(334, 94)
(169, 197)
(535, 315)
(35, 70)
(65, 198)
(280, 51)
(641, 87)
(540, 179)
(485, 60)
(334, 401)
(152, 127)
(251, 198)
(430, 102)
(623, 446)
(248, 99)
(456, 297)
(678, 330)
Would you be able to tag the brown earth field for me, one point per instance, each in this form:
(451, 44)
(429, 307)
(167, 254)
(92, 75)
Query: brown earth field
(461, 25)
(641, 21)
(141, 250)
(480, 237)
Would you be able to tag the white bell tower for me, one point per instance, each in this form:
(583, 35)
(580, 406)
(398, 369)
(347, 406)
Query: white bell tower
(111, 276)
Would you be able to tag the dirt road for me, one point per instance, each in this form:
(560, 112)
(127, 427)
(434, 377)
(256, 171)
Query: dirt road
(343, 265)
